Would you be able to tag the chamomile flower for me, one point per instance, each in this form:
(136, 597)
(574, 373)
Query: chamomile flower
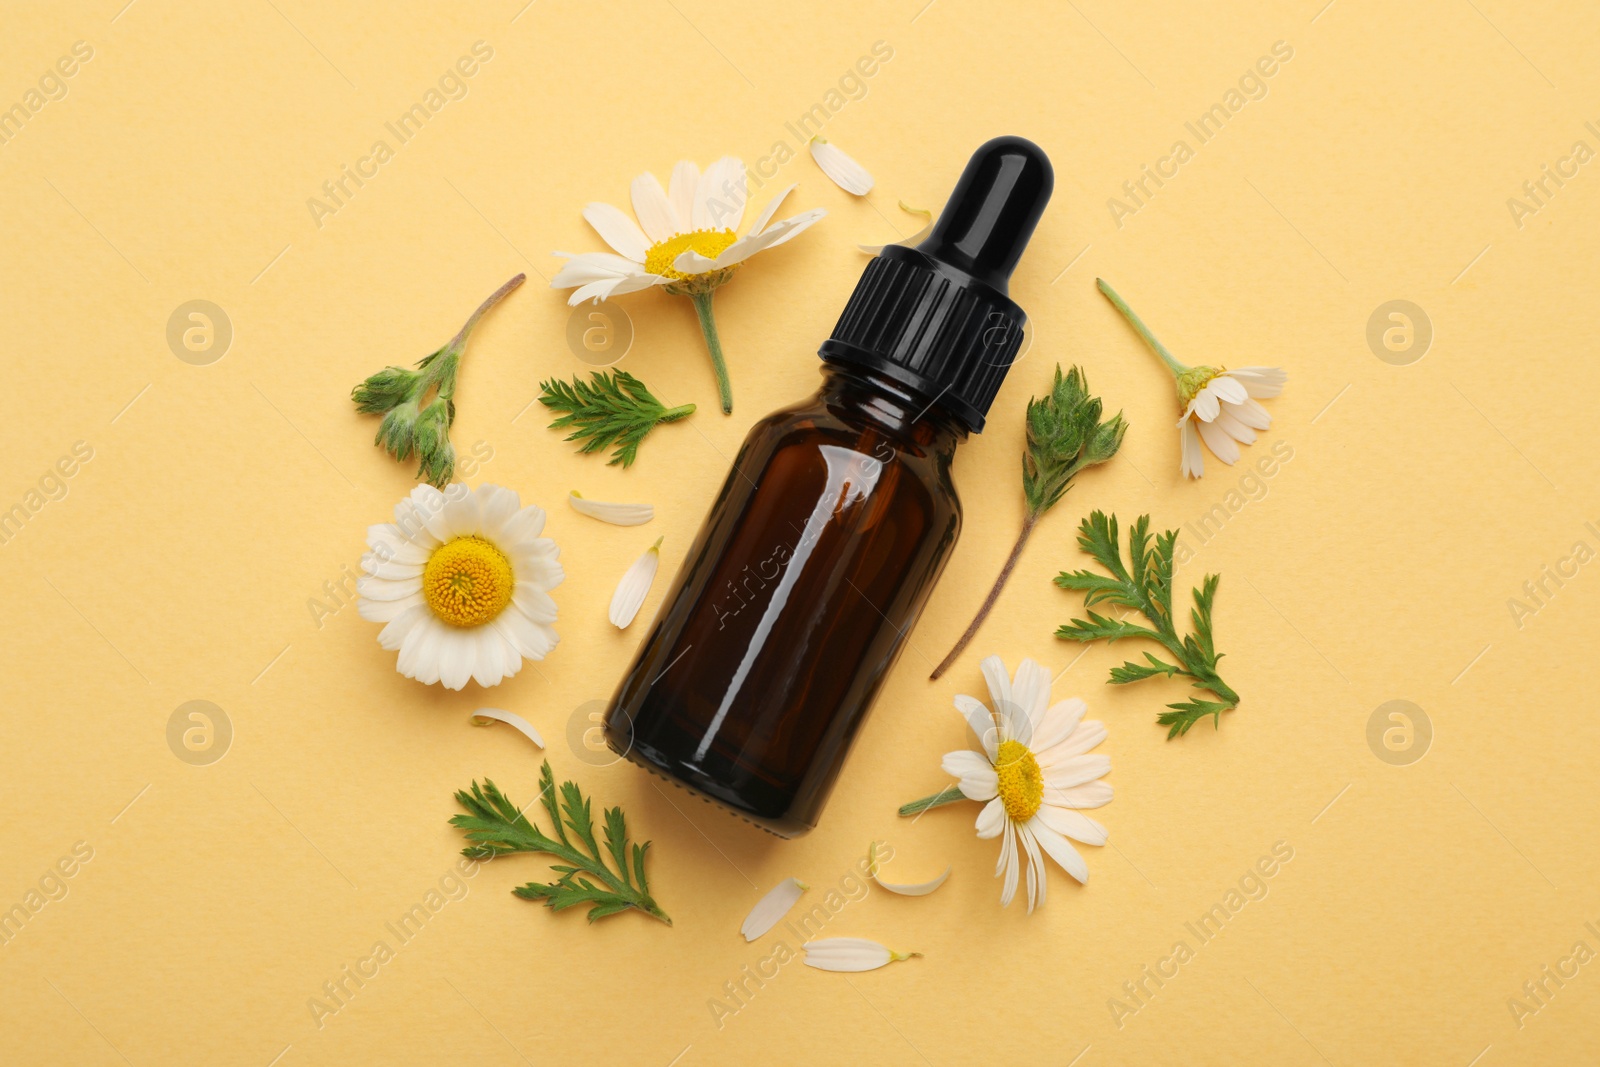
(461, 579)
(1034, 775)
(685, 239)
(1220, 406)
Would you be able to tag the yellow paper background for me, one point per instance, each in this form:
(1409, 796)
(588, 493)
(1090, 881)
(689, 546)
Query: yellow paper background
(1376, 565)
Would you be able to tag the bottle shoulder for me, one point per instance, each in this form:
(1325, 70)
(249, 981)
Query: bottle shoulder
(814, 434)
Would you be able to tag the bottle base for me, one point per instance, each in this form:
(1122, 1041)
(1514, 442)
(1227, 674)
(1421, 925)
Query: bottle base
(712, 793)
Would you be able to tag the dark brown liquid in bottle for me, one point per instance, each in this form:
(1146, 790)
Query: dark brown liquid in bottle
(795, 600)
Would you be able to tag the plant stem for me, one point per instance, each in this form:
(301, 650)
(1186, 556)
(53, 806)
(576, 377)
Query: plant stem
(947, 795)
(459, 341)
(1138, 324)
(994, 594)
(682, 411)
(708, 326)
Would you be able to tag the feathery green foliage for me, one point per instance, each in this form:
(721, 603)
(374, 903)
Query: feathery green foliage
(495, 826)
(1145, 585)
(608, 409)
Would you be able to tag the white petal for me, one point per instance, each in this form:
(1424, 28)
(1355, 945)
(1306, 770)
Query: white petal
(528, 639)
(770, 210)
(994, 672)
(1036, 880)
(1193, 463)
(681, 188)
(657, 216)
(387, 610)
(1261, 382)
(370, 588)
(594, 267)
(525, 525)
(977, 776)
(1030, 690)
(488, 716)
(1221, 445)
(905, 889)
(771, 908)
(1086, 736)
(1206, 403)
(1088, 795)
(498, 505)
(850, 954)
(609, 287)
(532, 600)
(420, 658)
(719, 198)
(392, 637)
(846, 173)
(488, 665)
(981, 720)
(1073, 824)
(634, 587)
(1007, 867)
(749, 245)
(1228, 390)
(1233, 427)
(1250, 413)
(1058, 724)
(1076, 771)
(617, 230)
(992, 819)
(616, 514)
(457, 656)
(1059, 849)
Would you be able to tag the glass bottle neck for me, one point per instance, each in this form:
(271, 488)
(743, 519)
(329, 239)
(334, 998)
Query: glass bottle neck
(864, 396)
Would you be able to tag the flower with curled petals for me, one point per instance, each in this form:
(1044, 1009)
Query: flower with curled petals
(461, 579)
(684, 238)
(1219, 405)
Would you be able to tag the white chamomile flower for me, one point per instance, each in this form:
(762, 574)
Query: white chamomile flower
(635, 586)
(1219, 405)
(846, 173)
(1034, 774)
(686, 239)
(462, 580)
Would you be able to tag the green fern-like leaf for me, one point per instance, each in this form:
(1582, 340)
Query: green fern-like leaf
(608, 410)
(1143, 584)
(497, 827)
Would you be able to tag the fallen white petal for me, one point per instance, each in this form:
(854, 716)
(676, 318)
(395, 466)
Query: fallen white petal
(850, 954)
(846, 173)
(616, 514)
(489, 716)
(915, 239)
(772, 907)
(917, 889)
(635, 586)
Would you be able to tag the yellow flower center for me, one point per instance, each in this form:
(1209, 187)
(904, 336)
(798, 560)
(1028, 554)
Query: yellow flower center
(467, 581)
(709, 243)
(1021, 781)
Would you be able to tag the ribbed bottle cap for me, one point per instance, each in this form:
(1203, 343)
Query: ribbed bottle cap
(936, 318)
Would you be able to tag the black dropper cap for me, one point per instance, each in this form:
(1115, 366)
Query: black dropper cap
(936, 318)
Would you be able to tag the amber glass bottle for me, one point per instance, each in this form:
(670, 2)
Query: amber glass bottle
(836, 520)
